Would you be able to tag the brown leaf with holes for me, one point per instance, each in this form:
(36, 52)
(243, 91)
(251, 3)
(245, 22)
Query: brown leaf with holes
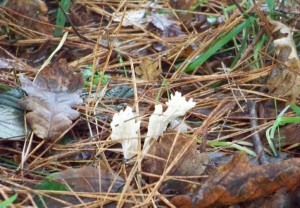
(192, 162)
(239, 182)
(50, 97)
(88, 180)
(148, 69)
(285, 77)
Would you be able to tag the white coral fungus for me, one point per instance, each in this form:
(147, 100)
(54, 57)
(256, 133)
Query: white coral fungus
(124, 130)
(158, 121)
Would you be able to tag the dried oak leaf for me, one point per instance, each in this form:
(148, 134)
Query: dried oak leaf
(191, 163)
(239, 182)
(50, 97)
(148, 69)
(84, 179)
(285, 77)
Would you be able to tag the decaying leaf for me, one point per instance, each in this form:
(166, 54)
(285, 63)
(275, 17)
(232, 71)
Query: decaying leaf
(180, 125)
(84, 179)
(148, 69)
(12, 118)
(182, 5)
(167, 24)
(136, 17)
(192, 163)
(31, 14)
(285, 77)
(280, 199)
(50, 97)
(289, 135)
(132, 17)
(239, 182)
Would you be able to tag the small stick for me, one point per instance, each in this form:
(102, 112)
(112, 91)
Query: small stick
(255, 137)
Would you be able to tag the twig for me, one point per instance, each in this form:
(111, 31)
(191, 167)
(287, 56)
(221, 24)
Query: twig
(255, 136)
(204, 139)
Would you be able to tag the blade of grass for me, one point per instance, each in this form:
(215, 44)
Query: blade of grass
(295, 108)
(242, 47)
(257, 48)
(60, 17)
(9, 201)
(219, 44)
(270, 133)
(231, 145)
(271, 7)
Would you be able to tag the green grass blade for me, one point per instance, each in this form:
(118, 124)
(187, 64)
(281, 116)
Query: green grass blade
(295, 108)
(8, 201)
(60, 17)
(270, 141)
(258, 47)
(242, 48)
(270, 133)
(271, 7)
(232, 145)
(219, 44)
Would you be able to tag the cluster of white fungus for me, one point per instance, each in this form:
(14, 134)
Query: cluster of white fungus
(124, 127)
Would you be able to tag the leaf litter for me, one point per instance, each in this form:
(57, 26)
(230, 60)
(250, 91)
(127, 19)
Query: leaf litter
(177, 170)
(50, 97)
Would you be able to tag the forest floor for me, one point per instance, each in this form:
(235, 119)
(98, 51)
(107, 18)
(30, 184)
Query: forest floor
(179, 103)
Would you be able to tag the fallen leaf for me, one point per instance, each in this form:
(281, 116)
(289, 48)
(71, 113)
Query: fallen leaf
(12, 117)
(280, 199)
(131, 17)
(84, 179)
(50, 97)
(137, 17)
(180, 126)
(31, 14)
(182, 201)
(192, 163)
(38, 55)
(148, 69)
(183, 5)
(167, 24)
(285, 79)
(8, 64)
(289, 135)
(167, 27)
(239, 182)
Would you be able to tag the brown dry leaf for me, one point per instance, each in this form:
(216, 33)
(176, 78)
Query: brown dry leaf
(86, 179)
(167, 24)
(285, 77)
(183, 5)
(280, 199)
(239, 182)
(34, 57)
(29, 10)
(192, 163)
(182, 201)
(148, 69)
(289, 135)
(50, 97)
